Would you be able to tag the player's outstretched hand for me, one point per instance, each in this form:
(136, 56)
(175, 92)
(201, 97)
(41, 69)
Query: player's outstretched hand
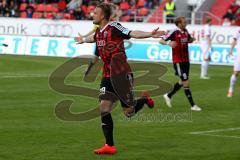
(157, 34)
(79, 39)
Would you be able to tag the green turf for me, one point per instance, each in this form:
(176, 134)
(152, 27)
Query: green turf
(29, 129)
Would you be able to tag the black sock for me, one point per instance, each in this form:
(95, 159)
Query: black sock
(107, 127)
(189, 95)
(176, 87)
(139, 104)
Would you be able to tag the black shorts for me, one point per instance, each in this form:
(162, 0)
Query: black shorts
(182, 70)
(118, 88)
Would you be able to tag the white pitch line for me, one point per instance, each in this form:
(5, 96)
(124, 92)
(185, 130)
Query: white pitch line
(216, 135)
(216, 130)
(25, 76)
(206, 133)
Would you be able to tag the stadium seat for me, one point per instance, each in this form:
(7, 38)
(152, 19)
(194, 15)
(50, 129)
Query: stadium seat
(40, 8)
(140, 3)
(23, 6)
(143, 12)
(62, 5)
(84, 8)
(23, 14)
(49, 15)
(37, 15)
(67, 16)
(125, 18)
(124, 6)
(49, 8)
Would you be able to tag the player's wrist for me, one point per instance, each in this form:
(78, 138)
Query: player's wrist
(168, 43)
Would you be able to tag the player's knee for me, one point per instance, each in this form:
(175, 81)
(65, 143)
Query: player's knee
(236, 73)
(185, 83)
(105, 106)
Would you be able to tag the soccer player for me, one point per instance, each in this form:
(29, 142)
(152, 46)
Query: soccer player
(109, 38)
(236, 68)
(178, 39)
(95, 27)
(206, 48)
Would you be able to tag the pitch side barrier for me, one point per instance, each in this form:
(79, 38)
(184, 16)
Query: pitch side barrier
(55, 38)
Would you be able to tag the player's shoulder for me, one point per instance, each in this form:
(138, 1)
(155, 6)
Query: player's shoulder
(172, 31)
(115, 24)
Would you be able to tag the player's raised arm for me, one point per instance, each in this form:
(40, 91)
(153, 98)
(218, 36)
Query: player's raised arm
(80, 39)
(156, 33)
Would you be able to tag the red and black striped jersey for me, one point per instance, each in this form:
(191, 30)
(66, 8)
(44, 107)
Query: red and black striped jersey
(180, 52)
(109, 42)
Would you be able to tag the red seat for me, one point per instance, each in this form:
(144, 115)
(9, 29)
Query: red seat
(90, 9)
(140, 3)
(40, 8)
(37, 15)
(55, 9)
(49, 8)
(62, 5)
(23, 15)
(125, 18)
(124, 6)
(67, 16)
(23, 6)
(143, 12)
(84, 8)
(49, 16)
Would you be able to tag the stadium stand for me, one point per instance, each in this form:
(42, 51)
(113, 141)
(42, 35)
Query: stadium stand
(128, 10)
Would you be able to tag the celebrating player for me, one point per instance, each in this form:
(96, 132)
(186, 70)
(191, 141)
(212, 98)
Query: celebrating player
(236, 68)
(109, 38)
(206, 48)
(178, 39)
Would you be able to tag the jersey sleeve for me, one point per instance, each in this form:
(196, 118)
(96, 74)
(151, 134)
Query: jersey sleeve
(121, 31)
(169, 36)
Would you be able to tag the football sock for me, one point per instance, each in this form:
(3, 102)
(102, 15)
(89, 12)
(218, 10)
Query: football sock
(139, 104)
(233, 80)
(176, 87)
(107, 127)
(204, 68)
(189, 95)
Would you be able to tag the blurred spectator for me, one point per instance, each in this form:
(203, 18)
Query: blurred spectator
(229, 15)
(234, 7)
(13, 9)
(79, 14)
(29, 11)
(170, 9)
(73, 4)
(4, 9)
(149, 4)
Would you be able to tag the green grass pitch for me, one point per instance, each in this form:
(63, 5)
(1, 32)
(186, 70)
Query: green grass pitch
(29, 129)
